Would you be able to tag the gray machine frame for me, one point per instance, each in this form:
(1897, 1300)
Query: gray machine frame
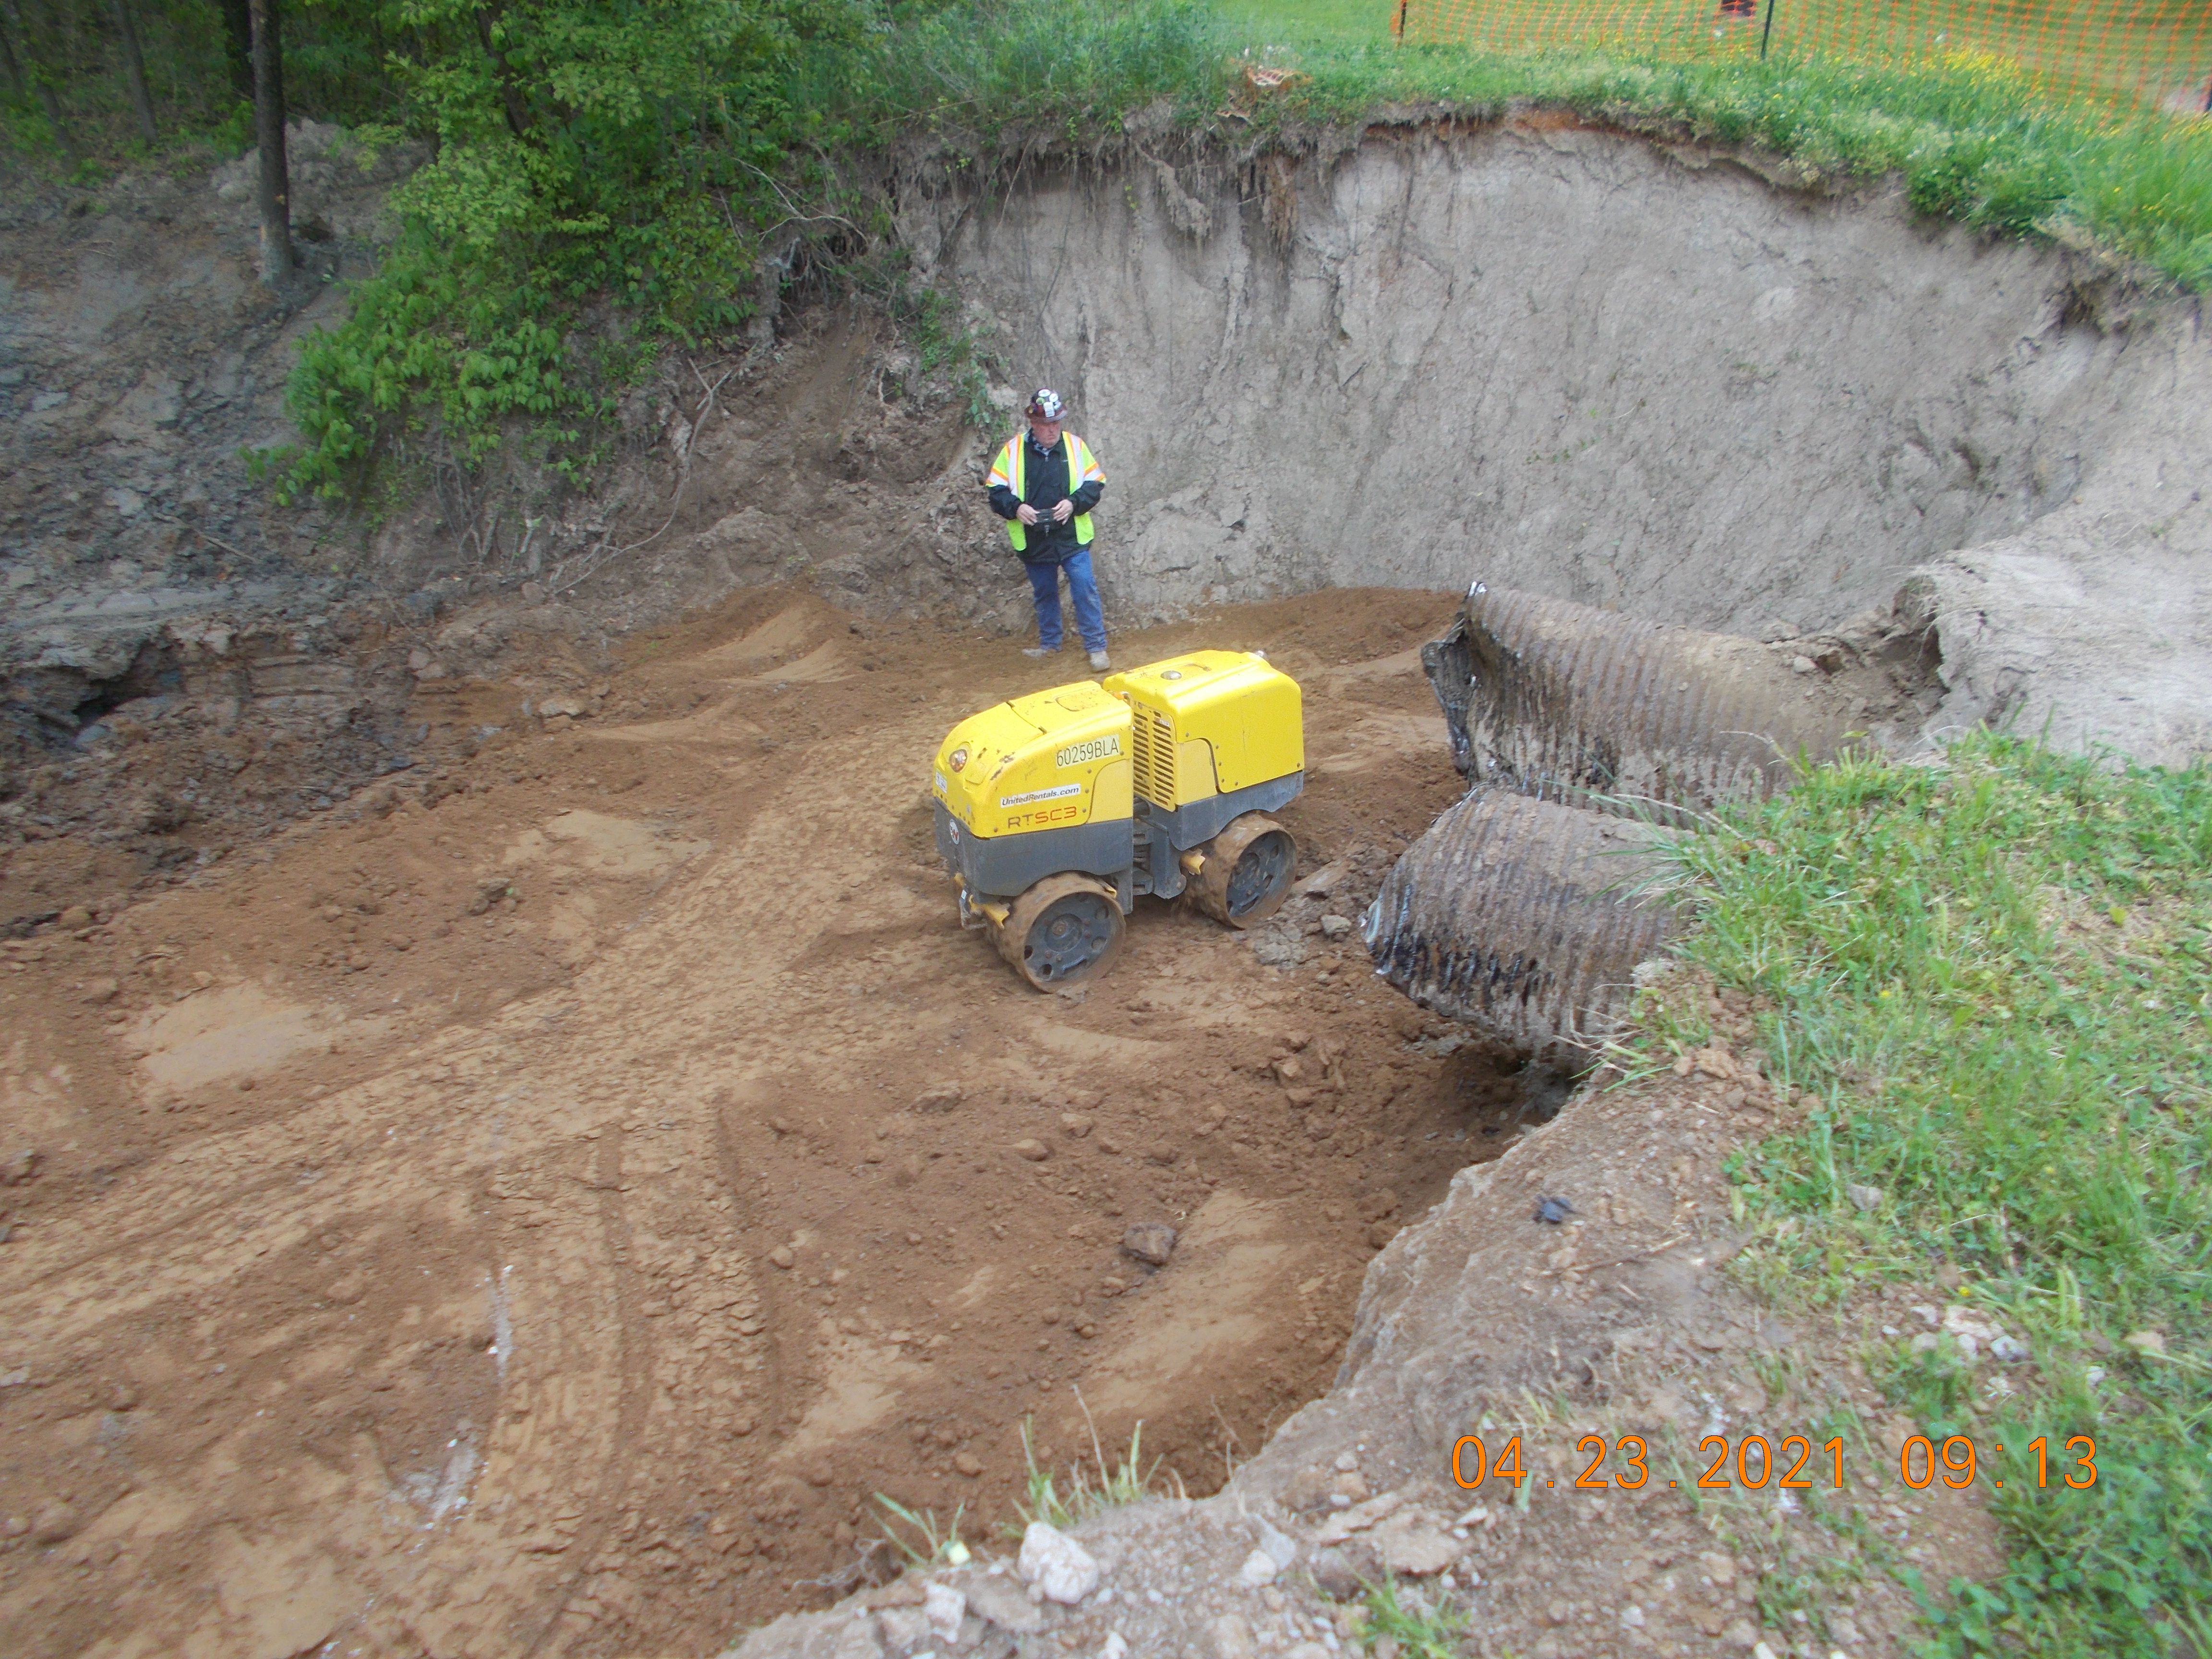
(1138, 855)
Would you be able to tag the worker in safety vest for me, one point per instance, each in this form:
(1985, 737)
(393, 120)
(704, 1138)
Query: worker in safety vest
(1044, 484)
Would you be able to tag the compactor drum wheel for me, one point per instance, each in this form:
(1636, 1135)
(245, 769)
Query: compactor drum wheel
(1063, 931)
(1247, 873)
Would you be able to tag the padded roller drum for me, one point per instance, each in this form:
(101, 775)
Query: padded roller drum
(1247, 873)
(1063, 931)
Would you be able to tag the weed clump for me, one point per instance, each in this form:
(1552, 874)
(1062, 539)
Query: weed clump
(1093, 1490)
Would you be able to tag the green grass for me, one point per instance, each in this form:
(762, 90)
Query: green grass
(1973, 139)
(467, 343)
(1262, 22)
(921, 1540)
(1420, 1632)
(1996, 973)
(1132, 1480)
(2147, 50)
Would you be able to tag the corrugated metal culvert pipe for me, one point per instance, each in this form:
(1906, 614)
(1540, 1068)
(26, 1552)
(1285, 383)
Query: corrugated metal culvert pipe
(1519, 916)
(1526, 909)
(1564, 701)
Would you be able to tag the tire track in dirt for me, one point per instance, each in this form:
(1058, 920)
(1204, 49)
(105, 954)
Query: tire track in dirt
(594, 1323)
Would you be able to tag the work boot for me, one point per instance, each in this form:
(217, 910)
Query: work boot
(1040, 651)
(1099, 662)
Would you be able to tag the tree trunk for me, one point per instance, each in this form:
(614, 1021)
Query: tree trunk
(48, 98)
(7, 61)
(238, 38)
(518, 113)
(274, 194)
(134, 66)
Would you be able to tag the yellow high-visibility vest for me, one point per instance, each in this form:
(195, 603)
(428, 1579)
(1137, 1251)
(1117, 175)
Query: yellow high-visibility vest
(1082, 469)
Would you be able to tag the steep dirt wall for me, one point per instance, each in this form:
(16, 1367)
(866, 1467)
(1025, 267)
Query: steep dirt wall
(1632, 376)
(1571, 362)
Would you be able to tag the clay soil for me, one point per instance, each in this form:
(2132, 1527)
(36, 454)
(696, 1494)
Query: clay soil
(537, 1209)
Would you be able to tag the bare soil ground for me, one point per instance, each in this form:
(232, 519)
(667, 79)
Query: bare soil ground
(535, 1209)
(1685, 1472)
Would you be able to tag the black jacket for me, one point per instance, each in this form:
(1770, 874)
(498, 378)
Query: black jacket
(1044, 484)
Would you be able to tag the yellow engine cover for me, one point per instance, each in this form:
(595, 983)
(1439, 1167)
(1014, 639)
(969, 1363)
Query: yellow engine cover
(1210, 721)
(1047, 761)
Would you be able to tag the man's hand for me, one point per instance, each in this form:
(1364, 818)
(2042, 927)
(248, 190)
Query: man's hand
(1063, 511)
(1027, 513)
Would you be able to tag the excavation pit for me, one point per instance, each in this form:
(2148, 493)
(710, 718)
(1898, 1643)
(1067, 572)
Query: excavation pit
(595, 1157)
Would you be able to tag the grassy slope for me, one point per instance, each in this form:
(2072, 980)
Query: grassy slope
(1971, 141)
(1266, 21)
(1974, 140)
(1997, 973)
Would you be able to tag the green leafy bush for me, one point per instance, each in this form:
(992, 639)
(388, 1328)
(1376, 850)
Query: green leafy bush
(585, 152)
(604, 175)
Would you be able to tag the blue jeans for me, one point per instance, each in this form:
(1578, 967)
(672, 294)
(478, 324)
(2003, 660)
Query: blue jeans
(1082, 588)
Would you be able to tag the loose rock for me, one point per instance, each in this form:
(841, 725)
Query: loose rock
(1057, 1564)
(945, 1608)
(902, 1627)
(997, 1603)
(1334, 1575)
(55, 1523)
(1417, 1548)
(1232, 1638)
(1151, 1241)
(1306, 1490)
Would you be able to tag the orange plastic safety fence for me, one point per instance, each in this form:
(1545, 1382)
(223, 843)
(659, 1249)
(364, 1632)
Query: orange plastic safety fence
(2154, 52)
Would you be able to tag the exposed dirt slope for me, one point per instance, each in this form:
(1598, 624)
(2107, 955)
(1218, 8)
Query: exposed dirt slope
(1637, 375)
(1605, 1357)
(1425, 356)
(534, 1210)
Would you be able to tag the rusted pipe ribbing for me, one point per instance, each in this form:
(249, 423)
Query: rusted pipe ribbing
(1509, 914)
(1567, 702)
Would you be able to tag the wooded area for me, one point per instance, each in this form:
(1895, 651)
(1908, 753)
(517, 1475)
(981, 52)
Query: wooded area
(576, 148)
(544, 112)
(602, 178)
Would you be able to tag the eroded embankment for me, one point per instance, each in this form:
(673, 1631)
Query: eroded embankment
(1566, 361)
(1631, 375)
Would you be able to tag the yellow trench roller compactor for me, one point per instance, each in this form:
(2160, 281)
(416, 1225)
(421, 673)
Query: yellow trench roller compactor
(1056, 811)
